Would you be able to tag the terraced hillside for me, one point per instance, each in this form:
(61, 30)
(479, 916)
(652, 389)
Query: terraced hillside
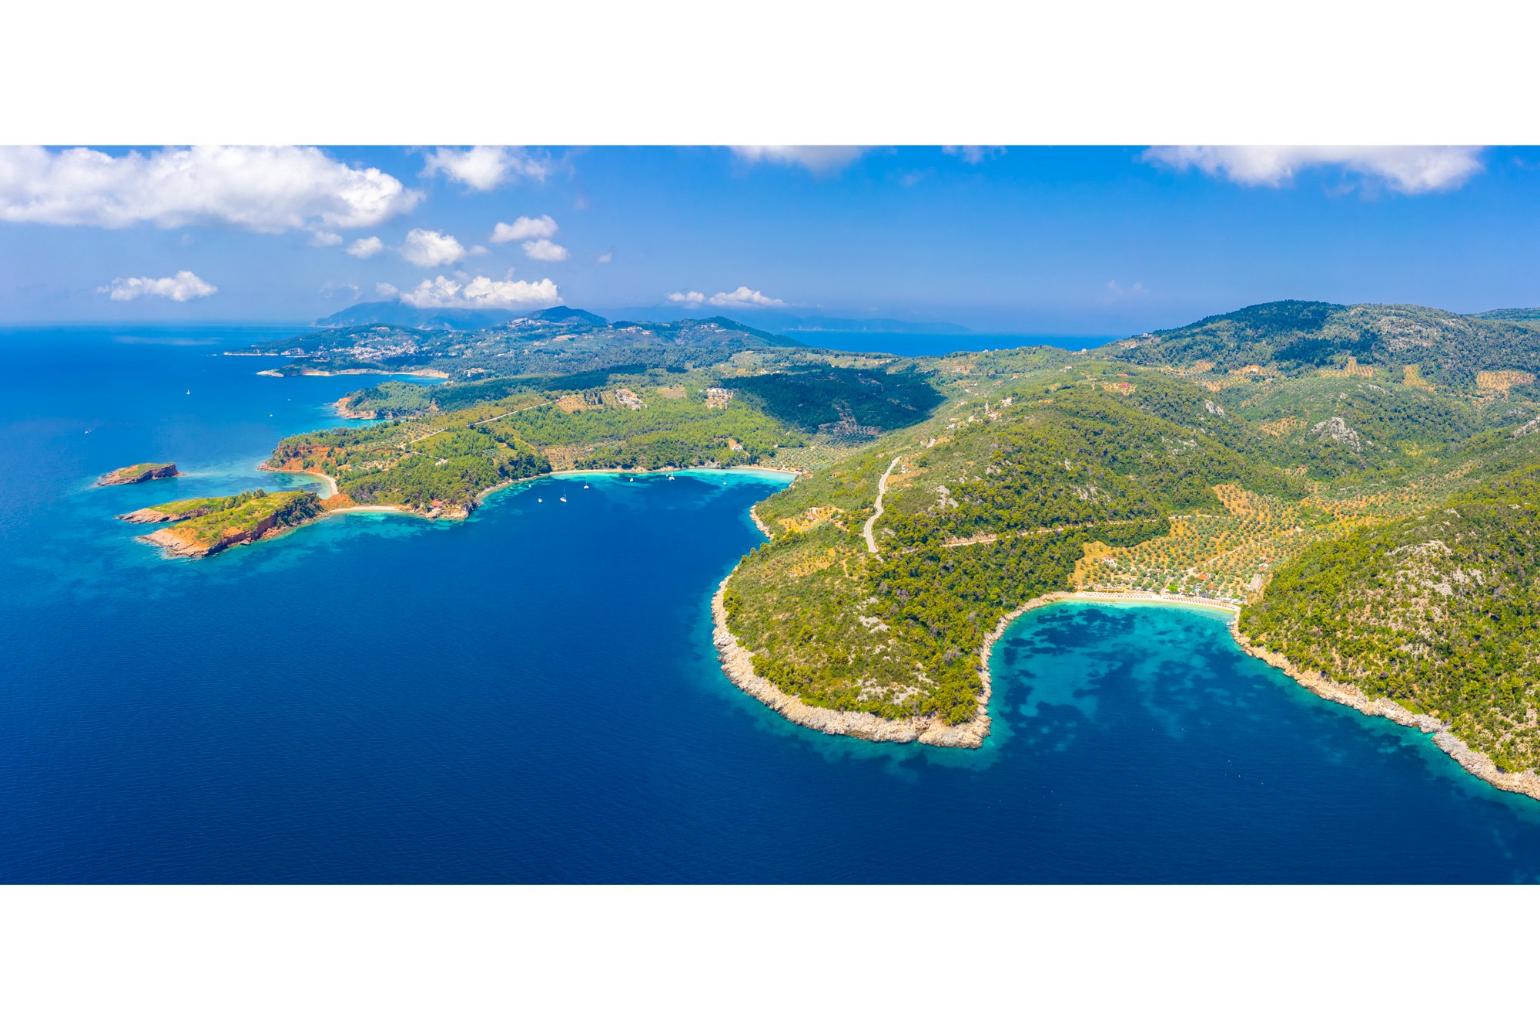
(1438, 611)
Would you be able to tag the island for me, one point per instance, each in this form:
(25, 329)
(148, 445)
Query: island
(143, 472)
(1355, 484)
(208, 525)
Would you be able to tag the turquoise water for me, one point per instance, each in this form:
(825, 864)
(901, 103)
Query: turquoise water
(532, 695)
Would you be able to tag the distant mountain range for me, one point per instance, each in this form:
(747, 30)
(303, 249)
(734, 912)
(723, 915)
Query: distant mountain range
(399, 313)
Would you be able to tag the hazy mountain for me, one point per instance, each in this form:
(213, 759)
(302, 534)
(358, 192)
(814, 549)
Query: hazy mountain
(1295, 334)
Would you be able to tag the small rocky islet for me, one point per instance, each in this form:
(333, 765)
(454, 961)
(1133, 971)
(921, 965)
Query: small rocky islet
(142, 472)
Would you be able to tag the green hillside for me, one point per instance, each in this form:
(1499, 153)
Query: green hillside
(1293, 336)
(1438, 611)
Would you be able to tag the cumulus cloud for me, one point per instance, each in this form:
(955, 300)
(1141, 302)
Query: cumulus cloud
(1403, 169)
(263, 189)
(545, 250)
(605, 258)
(325, 238)
(481, 292)
(524, 228)
(743, 297)
(428, 249)
(690, 297)
(182, 287)
(365, 247)
(818, 160)
(486, 168)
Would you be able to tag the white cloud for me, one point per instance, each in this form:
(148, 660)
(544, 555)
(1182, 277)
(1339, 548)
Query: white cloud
(336, 289)
(263, 189)
(973, 155)
(486, 168)
(427, 249)
(819, 160)
(325, 238)
(481, 292)
(524, 228)
(605, 258)
(1403, 169)
(545, 250)
(183, 286)
(690, 297)
(743, 297)
(387, 290)
(365, 247)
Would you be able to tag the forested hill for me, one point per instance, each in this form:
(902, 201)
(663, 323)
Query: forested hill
(556, 341)
(1438, 610)
(407, 316)
(1375, 513)
(1293, 335)
(1511, 315)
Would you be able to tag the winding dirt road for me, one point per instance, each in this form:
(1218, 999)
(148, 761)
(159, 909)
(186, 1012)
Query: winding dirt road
(882, 488)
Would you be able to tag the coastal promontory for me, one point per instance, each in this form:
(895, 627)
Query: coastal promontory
(207, 525)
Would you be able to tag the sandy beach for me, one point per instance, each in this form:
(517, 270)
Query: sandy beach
(331, 484)
(738, 663)
(457, 513)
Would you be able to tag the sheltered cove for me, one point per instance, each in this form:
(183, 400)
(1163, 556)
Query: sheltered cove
(738, 664)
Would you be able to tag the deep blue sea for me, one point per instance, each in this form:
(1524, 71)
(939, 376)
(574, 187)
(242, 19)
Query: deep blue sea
(912, 345)
(532, 695)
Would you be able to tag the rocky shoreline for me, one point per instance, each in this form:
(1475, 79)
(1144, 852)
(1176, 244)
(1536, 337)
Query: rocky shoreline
(738, 663)
(759, 523)
(148, 516)
(177, 546)
(140, 473)
(1472, 761)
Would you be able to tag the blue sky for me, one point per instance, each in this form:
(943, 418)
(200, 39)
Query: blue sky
(1032, 239)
